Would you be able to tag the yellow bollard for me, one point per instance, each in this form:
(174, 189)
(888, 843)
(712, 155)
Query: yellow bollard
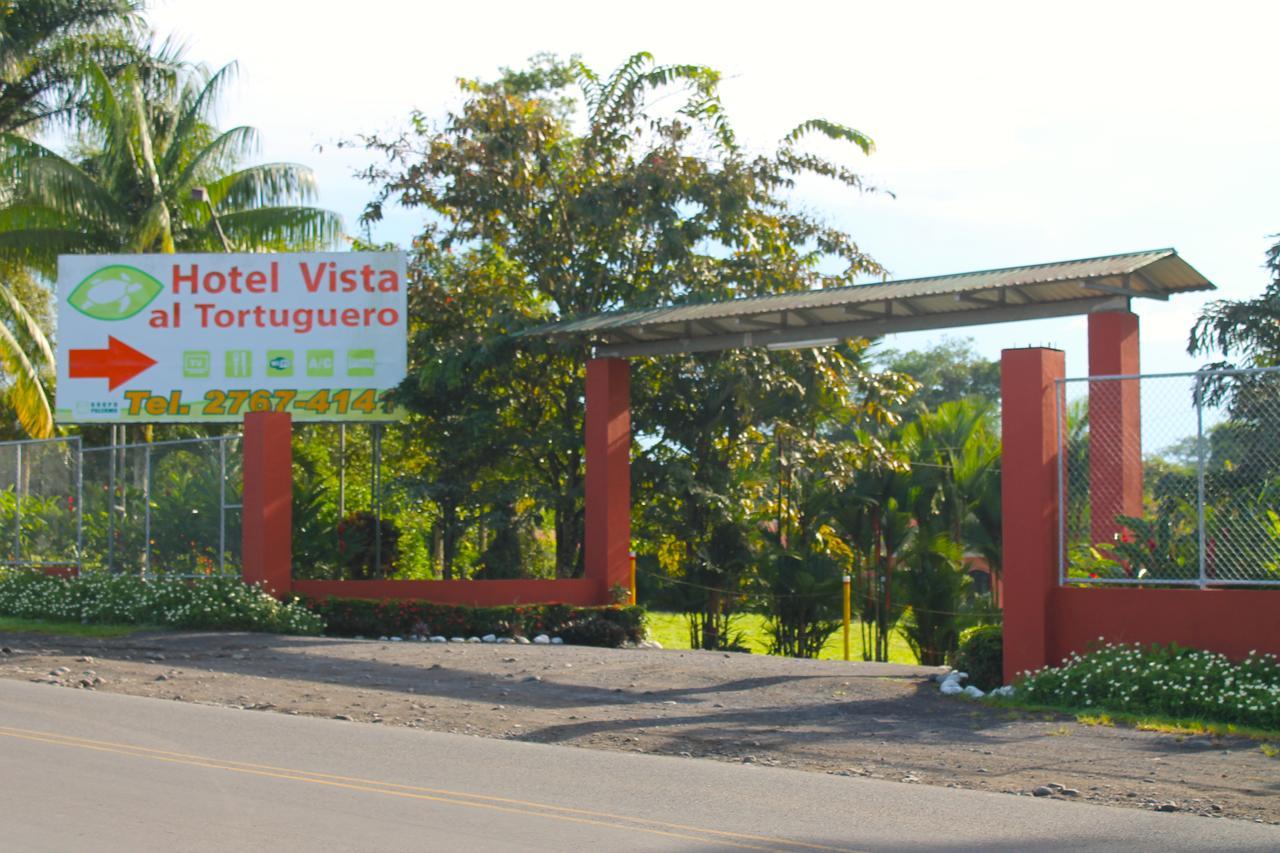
(632, 555)
(846, 616)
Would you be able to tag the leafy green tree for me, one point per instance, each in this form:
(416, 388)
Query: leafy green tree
(1245, 331)
(872, 513)
(693, 482)
(902, 519)
(949, 370)
(469, 388)
(648, 201)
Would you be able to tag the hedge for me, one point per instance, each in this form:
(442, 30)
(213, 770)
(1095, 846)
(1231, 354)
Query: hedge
(599, 626)
(981, 654)
(99, 597)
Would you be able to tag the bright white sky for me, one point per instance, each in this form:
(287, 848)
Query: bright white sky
(1011, 133)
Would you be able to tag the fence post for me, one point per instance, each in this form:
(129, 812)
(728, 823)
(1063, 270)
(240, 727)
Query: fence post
(342, 471)
(222, 505)
(375, 477)
(1029, 501)
(111, 503)
(1200, 466)
(1060, 441)
(1115, 433)
(79, 445)
(17, 505)
(146, 509)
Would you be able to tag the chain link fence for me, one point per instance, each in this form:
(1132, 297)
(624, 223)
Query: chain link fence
(165, 507)
(40, 498)
(1170, 479)
(175, 507)
(359, 508)
(152, 508)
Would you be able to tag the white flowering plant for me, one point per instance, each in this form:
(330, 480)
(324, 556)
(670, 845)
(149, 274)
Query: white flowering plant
(96, 597)
(1168, 681)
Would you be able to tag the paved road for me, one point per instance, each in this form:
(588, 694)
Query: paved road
(89, 771)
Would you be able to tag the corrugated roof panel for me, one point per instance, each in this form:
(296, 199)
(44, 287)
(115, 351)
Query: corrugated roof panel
(1153, 273)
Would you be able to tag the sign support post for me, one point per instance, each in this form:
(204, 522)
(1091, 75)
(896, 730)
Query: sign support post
(267, 513)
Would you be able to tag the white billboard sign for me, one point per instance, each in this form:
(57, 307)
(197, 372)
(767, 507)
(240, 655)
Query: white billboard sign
(150, 338)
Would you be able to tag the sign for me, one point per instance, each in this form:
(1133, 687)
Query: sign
(150, 338)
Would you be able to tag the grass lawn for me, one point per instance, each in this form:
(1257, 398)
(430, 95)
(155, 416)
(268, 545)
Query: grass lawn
(9, 625)
(672, 630)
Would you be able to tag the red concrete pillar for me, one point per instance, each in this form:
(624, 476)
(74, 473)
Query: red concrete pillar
(1115, 432)
(1029, 502)
(267, 514)
(608, 498)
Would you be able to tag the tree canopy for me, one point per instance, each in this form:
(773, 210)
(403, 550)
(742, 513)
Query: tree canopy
(591, 192)
(949, 370)
(1245, 331)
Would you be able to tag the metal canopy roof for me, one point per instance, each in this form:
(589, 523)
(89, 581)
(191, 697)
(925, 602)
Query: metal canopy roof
(820, 317)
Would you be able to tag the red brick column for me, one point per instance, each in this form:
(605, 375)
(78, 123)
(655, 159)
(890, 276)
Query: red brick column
(1115, 423)
(1029, 502)
(267, 514)
(608, 487)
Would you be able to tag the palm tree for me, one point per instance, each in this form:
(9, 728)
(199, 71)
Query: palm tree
(145, 148)
(956, 458)
(25, 353)
(44, 45)
(147, 141)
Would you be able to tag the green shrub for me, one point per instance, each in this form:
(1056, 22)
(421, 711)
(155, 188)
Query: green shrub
(594, 631)
(218, 603)
(801, 602)
(934, 588)
(981, 654)
(368, 546)
(1162, 680)
(350, 617)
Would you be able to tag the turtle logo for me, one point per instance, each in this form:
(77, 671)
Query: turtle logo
(116, 292)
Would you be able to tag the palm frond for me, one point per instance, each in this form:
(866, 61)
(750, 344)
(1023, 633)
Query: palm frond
(283, 228)
(625, 80)
(26, 393)
(27, 324)
(589, 82)
(39, 248)
(221, 153)
(49, 181)
(197, 109)
(831, 130)
(265, 184)
(43, 47)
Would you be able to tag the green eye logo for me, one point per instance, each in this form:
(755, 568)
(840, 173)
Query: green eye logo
(116, 292)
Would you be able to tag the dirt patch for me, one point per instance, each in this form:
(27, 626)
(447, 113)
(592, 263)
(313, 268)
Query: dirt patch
(881, 720)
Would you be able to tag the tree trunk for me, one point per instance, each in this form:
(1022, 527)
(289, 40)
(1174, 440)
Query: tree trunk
(449, 543)
(569, 533)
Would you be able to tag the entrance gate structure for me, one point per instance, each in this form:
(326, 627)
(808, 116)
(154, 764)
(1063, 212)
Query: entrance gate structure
(1043, 620)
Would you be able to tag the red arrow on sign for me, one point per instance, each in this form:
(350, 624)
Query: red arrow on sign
(118, 363)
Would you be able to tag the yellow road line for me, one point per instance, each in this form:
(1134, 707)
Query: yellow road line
(509, 805)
